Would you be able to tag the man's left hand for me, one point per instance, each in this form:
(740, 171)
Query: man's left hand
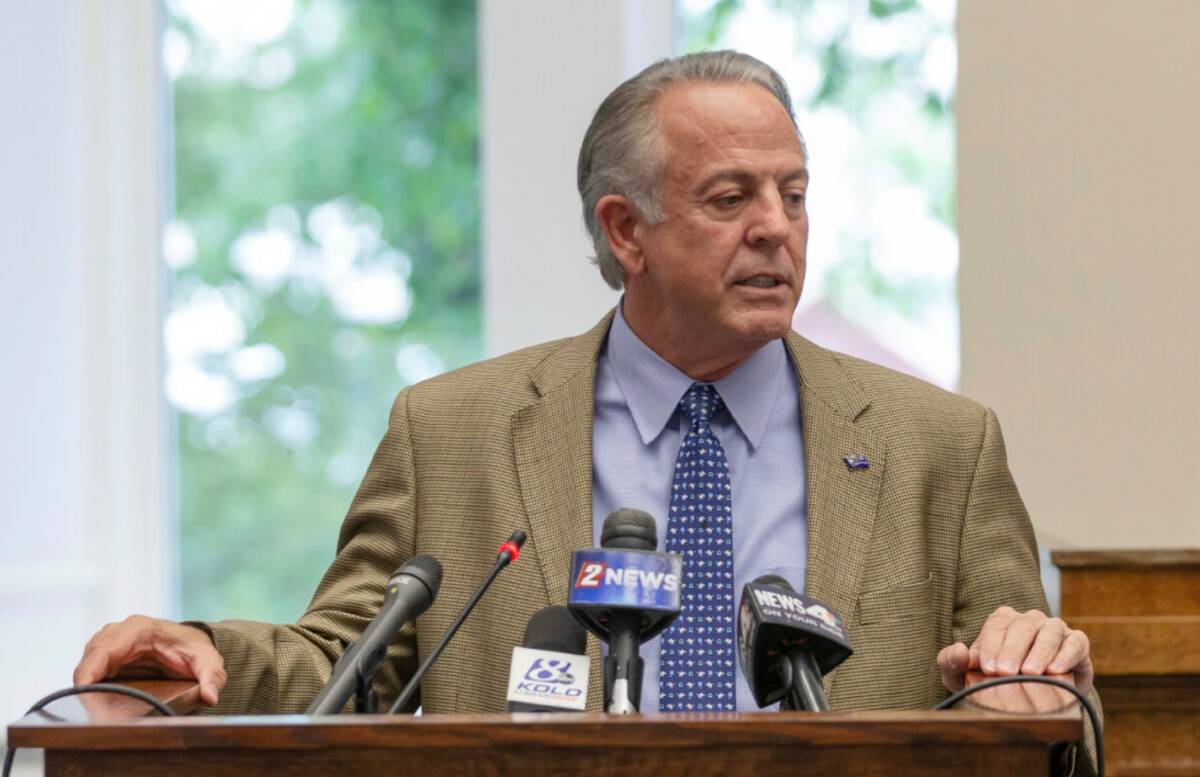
(1012, 642)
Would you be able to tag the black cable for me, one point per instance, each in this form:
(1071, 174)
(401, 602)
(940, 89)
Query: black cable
(117, 688)
(953, 699)
(123, 690)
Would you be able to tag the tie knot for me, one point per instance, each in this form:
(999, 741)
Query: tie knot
(701, 403)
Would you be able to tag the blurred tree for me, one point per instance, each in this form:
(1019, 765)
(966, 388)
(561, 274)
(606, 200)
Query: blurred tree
(324, 254)
(873, 86)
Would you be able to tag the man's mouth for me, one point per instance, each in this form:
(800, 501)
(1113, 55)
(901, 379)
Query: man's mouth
(760, 282)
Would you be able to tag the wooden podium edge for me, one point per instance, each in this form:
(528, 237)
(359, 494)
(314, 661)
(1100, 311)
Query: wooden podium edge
(1009, 713)
(668, 731)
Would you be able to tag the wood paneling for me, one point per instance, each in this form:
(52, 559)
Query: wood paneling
(1165, 645)
(1151, 724)
(1109, 591)
(1141, 611)
(1125, 559)
(577, 760)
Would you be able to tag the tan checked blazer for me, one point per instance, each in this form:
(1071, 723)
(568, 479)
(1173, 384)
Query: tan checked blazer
(914, 552)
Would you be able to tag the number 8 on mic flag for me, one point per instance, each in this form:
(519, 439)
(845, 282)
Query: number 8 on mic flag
(541, 679)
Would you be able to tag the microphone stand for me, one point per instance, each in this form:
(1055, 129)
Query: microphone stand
(365, 699)
(623, 666)
(803, 678)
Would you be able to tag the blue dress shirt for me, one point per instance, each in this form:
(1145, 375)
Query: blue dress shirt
(636, 434)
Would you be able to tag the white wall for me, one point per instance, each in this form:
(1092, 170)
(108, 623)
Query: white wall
(84, 535)
(545, 67)
(1078, 127)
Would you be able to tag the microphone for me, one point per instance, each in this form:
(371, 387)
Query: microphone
(509, 550)
(625, 594)
(410, 591)
(549, 673)
(786, 643)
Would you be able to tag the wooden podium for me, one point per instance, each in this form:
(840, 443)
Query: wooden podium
(108, 736)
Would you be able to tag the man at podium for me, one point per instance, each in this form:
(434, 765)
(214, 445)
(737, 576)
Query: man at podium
(886, 498)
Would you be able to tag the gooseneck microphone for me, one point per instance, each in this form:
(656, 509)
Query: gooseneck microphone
(549, 671)
(625, 593)
(786, 643)
(409, 592)
(509, 550)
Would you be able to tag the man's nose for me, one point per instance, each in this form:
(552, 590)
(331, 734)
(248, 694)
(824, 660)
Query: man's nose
(771, 224)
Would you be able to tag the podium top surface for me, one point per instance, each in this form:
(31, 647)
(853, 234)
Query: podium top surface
(669, 731)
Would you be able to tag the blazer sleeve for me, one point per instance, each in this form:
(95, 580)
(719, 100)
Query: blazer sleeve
(998, 557)
(281, 668)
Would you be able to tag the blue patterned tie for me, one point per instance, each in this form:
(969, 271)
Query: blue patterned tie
(697, 670)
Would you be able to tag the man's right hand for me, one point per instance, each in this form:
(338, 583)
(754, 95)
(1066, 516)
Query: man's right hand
(172, 649)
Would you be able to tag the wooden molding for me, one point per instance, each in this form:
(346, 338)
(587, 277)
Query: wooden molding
(1163, 645)
(1125, 558)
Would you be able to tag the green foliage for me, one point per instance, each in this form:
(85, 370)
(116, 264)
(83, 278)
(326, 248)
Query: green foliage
(381, 118)
(886, 8)
(705, 32)
(872, 80)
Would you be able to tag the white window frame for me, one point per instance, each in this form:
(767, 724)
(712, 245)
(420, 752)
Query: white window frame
(85, 468)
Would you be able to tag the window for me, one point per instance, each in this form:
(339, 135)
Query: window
(323, 254)
(873, 86)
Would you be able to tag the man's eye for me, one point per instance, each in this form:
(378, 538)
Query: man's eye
(794, 198)
(729, 200)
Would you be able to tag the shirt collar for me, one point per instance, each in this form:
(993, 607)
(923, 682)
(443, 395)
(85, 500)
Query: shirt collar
(652, 387)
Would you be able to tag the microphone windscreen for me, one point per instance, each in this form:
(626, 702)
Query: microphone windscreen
(424, 568)
(630, 530)
(774, 580)
(555, 628)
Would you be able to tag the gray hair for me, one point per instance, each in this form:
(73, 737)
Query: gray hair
(623, 152)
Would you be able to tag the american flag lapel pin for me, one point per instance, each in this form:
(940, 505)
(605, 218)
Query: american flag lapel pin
(856, 461)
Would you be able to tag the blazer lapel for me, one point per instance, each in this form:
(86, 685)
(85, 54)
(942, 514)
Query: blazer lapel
(552, 446)
(842, 502)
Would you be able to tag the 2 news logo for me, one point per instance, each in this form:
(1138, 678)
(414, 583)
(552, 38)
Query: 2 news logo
(550, 670)
(597, 574)
(591, 574)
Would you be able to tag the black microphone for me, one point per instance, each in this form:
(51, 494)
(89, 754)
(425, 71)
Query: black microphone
(786, 643)
(509, 550)
(549, 672)
(410, 591)
(625, 594)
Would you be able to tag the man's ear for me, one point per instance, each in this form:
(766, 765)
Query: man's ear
(619, 220)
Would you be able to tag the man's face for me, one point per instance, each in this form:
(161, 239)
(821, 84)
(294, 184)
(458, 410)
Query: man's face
(723, 271)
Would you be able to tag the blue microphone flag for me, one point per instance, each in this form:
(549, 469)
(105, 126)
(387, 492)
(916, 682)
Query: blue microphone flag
(606, 579)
